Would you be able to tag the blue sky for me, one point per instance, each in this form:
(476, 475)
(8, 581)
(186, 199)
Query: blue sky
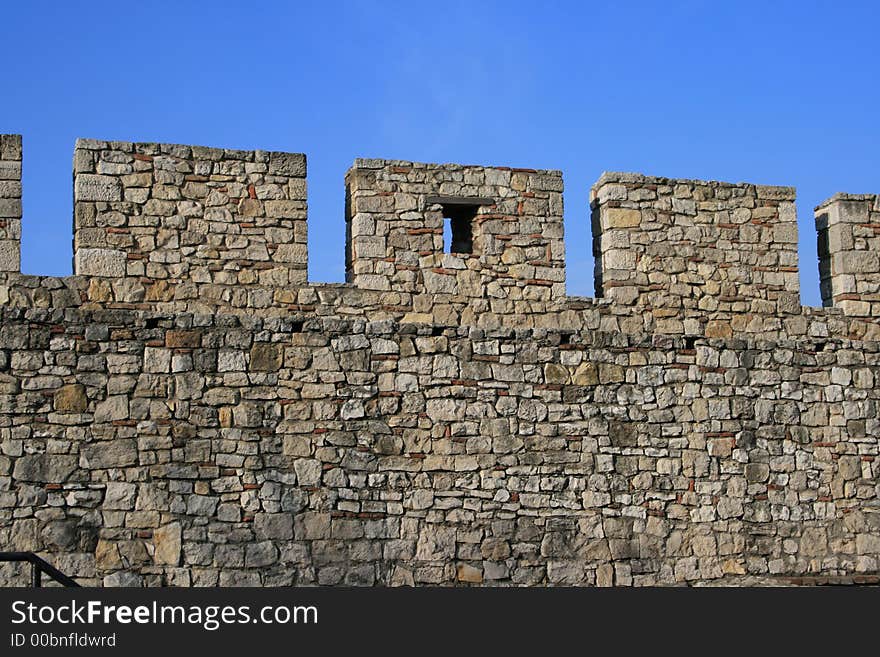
(766, 92)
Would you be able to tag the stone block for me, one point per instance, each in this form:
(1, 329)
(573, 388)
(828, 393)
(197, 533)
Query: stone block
(266, 357)
(273, 526)
(183, 339)
(469, 574)
(44, 468)
(287, 164)
(10, 147)
(118, 453)
(166, 543)
(10, 208)
(70, 399)
(10, 255)
(296, 253)
(856, 262)
(621, 217)
(91, 187)
(100, 262)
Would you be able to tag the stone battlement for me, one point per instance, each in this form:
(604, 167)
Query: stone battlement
(188, 409)
(179, 228)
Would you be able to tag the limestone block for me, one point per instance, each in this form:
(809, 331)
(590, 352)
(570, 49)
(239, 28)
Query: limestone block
(10, 255)
(10, 170)
(100, 262)
(277, 526)
(287, 164)
(70, 399)
(856, 262)
(167, 542)
(10, 208)
(44, 468)
(109, 454)
(621, 217)
(291, 253)
(91, 187)
(266, 357)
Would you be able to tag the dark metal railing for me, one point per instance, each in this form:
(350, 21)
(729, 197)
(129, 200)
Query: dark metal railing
(38, 567)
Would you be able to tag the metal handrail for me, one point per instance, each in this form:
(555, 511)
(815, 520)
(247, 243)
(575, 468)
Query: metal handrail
(38, 567)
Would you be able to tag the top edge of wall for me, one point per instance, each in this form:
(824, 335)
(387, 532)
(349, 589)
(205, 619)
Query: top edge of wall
(179, 150)
(609, 177)
(378, 163)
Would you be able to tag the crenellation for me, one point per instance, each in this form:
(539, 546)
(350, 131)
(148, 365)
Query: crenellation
(171, 220)
(848, 227)
(188, 410)
(395, 222)
(10, 203)
(693, 253)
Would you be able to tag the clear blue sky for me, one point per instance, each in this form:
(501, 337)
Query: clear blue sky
(767, 92)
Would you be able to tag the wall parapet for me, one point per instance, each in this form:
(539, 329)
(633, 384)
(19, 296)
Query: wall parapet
(848, 227)
(169, 219)
(195, 229)
(10, 203)
(686, 249)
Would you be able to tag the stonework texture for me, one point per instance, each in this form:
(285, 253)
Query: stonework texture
(167, 222)
(188, 410)
(849, 253)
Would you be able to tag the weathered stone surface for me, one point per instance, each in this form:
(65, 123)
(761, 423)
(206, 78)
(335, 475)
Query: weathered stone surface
(199, 414)
(89, 187)
(623, 217)
(266, 357)
(273, 526)
(167, 541)
(858, 262)
(100, 262)
(44, 468)
(115, 407)
(467, 573)
(757, 472)
(10, 256)
(109, 454)
(556, 373)
(70, 399)
(186, 339)
(287, 164)
(119, 495)
(435, 543)
(587, 374)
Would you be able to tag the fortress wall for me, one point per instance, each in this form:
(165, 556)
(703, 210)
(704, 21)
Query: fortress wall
(187, 410)
(395, 226)
(848, 226)
(10, 203)
(687, 250)
(159, 222)
(207, 449)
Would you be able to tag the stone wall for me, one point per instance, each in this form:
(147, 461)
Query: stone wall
(10, 203)
(186, 411)
(161, 222)
(395, 225)
(204, 450)
(692, 252)
(848, 226)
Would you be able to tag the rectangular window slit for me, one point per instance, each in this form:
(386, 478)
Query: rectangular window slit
(458, 234)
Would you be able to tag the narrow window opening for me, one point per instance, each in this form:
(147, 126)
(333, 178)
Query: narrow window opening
(458, 234)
